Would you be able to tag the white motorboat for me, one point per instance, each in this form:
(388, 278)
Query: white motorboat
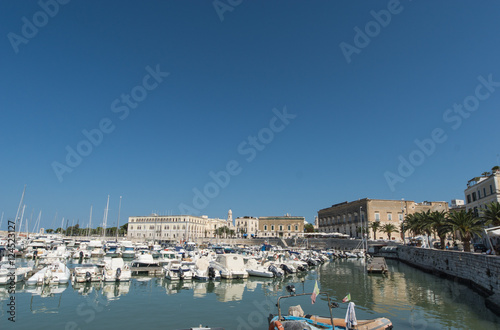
(176, 271)
(128, 250)
(165, 256)
(230, 266)
(82, 252)
(144, 260)
(12, 275)
(96, 250)
(87, 273)
(203, 271)
(115, 270)
(55, 273)
(255, 269)
(113, 250)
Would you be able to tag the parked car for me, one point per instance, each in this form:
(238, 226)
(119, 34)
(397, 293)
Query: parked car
(479, 247)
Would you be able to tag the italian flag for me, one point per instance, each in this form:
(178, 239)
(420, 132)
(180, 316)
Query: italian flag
(315, 293)
(347, 298)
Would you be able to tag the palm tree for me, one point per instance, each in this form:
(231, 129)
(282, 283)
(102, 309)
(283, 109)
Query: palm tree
(375, 226)
(440, 225)
(485, 174)
(467, 225)
(389, 228)
(491, 215)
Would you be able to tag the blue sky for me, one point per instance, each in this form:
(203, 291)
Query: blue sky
(349, 119)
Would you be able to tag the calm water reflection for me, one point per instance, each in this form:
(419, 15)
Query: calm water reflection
(410, 298)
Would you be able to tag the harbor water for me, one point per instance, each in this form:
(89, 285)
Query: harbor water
(410, 298)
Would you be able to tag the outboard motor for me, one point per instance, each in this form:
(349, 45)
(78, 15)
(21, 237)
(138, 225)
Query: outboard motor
(211, 273)
(275, 271)
(88, 277)
(118, 273)
(301, 268)
(286, 269)
(181, 273)
(311, 263)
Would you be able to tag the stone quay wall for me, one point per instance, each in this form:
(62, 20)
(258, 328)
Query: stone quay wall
(479, 271)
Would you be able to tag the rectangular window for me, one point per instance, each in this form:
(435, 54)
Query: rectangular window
(491, 189)
(296, 228)
(389, 216)
(484, 192)
(400, 215)
(478, 194)
(272, 227)
(469, 199)
(474, 198)
(377, 216)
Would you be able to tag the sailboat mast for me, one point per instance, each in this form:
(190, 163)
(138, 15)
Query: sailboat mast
(118, 222)
(90, 221)
(21, 223)
(105, 220)
(1, 220)
(20, 203)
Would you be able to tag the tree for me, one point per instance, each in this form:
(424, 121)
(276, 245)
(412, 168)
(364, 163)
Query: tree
(441, 226)
(374, 226)
(308, 228)
(485, 174)
(49, 231)
(389, 228)
(123, 230)
(491, 215)
(467, 225)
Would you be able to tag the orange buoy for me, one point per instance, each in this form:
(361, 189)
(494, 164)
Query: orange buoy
(276, 325)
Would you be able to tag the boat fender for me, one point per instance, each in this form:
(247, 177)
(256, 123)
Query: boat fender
(276, 325)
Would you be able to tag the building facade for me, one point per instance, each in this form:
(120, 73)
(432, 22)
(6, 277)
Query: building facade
(167, 228)
(350, 217)
(176, 228)
(246, 225)
(482, 191)
(283, 226)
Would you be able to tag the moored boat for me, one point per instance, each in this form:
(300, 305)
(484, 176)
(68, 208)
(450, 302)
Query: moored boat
(296, 319)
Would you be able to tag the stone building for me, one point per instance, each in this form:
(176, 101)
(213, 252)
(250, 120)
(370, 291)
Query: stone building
(482, 191)
(349, 217)
(284, 226)
(175, 228)
(167, 228)
(246, 225)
